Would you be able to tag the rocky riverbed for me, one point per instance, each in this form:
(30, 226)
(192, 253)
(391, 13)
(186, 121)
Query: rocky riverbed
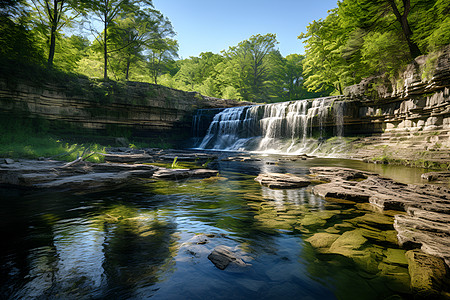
(414, 219)
(421, 221)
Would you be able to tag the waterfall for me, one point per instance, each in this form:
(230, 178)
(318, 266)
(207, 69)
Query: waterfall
(286, 127)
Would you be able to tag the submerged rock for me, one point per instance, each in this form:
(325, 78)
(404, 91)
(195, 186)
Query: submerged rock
(427, 273)
(322, 240)
(282, 181)
(223, 256)
(425, 223)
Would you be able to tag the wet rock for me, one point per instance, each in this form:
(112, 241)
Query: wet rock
(349, 243)
(436, 176)
(91, 182)
(282, 181)
(178, 174)
(318, 218)
(380, 236)
(187, 156)
(377, 221)
(398, 278)
(427, 273)
(223, 256)
(431, 232)
(396, 257)
(127, 158)
(322, 240)
(426, 224)
(82, 176)
(341, 191)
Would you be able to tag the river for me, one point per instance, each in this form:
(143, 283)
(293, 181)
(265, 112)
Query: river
(142, 241)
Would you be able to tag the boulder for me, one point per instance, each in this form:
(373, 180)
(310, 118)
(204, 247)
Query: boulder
(322, 240)
(223, 256)
(282, 181)
(427, 273)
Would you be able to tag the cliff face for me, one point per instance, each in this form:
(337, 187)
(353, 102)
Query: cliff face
(418, 99)
(139, 108)
(409, 116)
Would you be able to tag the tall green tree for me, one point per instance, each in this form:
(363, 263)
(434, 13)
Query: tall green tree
(160, 54)
(136, 33)
(324, 63)
(52, 16)
(106, 12)
(250, 60)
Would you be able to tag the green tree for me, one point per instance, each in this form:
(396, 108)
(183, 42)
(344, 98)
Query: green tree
(161, 53)
(324, 63)
(69, 51)
(106, 12)
(143, 31)
(248, 64)
(52, 16)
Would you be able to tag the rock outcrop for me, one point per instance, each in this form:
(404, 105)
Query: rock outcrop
(83, 176)
(141, 109)
(424, 226)
(282, 181)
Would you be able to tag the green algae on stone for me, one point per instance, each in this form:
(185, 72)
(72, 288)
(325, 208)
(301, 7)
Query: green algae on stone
(322, 240)
(349, 243)
(395, 257)
(427, 273)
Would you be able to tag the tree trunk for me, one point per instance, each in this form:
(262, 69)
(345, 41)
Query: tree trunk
(51, 52)
(105, 48)
(406, 29)
(53, 16)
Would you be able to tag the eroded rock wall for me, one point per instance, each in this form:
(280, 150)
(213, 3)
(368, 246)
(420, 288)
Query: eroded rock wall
(141, 108)
(416, 100)
(409, 116)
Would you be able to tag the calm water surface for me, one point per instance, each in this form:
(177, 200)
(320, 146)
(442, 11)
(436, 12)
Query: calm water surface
(141, 242)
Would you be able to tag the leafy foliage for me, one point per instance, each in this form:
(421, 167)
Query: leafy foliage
(368, 37)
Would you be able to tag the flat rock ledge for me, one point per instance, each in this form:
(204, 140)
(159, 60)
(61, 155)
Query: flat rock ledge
(282, 181)
(88, 177)
(426, 224)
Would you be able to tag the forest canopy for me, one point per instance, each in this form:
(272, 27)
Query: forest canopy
(132, 40)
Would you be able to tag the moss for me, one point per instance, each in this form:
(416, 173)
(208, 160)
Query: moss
(429, 67)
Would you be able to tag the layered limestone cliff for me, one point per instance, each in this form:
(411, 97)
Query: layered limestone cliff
(142, 109)
(409, 115)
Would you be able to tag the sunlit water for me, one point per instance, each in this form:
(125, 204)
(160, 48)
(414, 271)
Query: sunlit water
(140, 242)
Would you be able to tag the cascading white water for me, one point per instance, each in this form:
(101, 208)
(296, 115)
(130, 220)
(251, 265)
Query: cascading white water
(286, 127)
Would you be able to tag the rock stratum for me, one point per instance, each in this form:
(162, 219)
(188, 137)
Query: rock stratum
(424, 210)
(141, 109)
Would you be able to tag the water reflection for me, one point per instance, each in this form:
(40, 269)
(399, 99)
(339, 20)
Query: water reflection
(296, 197)
(142, 242)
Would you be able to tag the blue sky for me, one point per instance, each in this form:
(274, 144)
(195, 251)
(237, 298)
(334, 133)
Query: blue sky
(212, 25)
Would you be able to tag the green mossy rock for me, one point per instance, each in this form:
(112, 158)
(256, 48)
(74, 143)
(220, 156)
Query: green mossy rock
(349, 243)
(427, 273)
(322, 240)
